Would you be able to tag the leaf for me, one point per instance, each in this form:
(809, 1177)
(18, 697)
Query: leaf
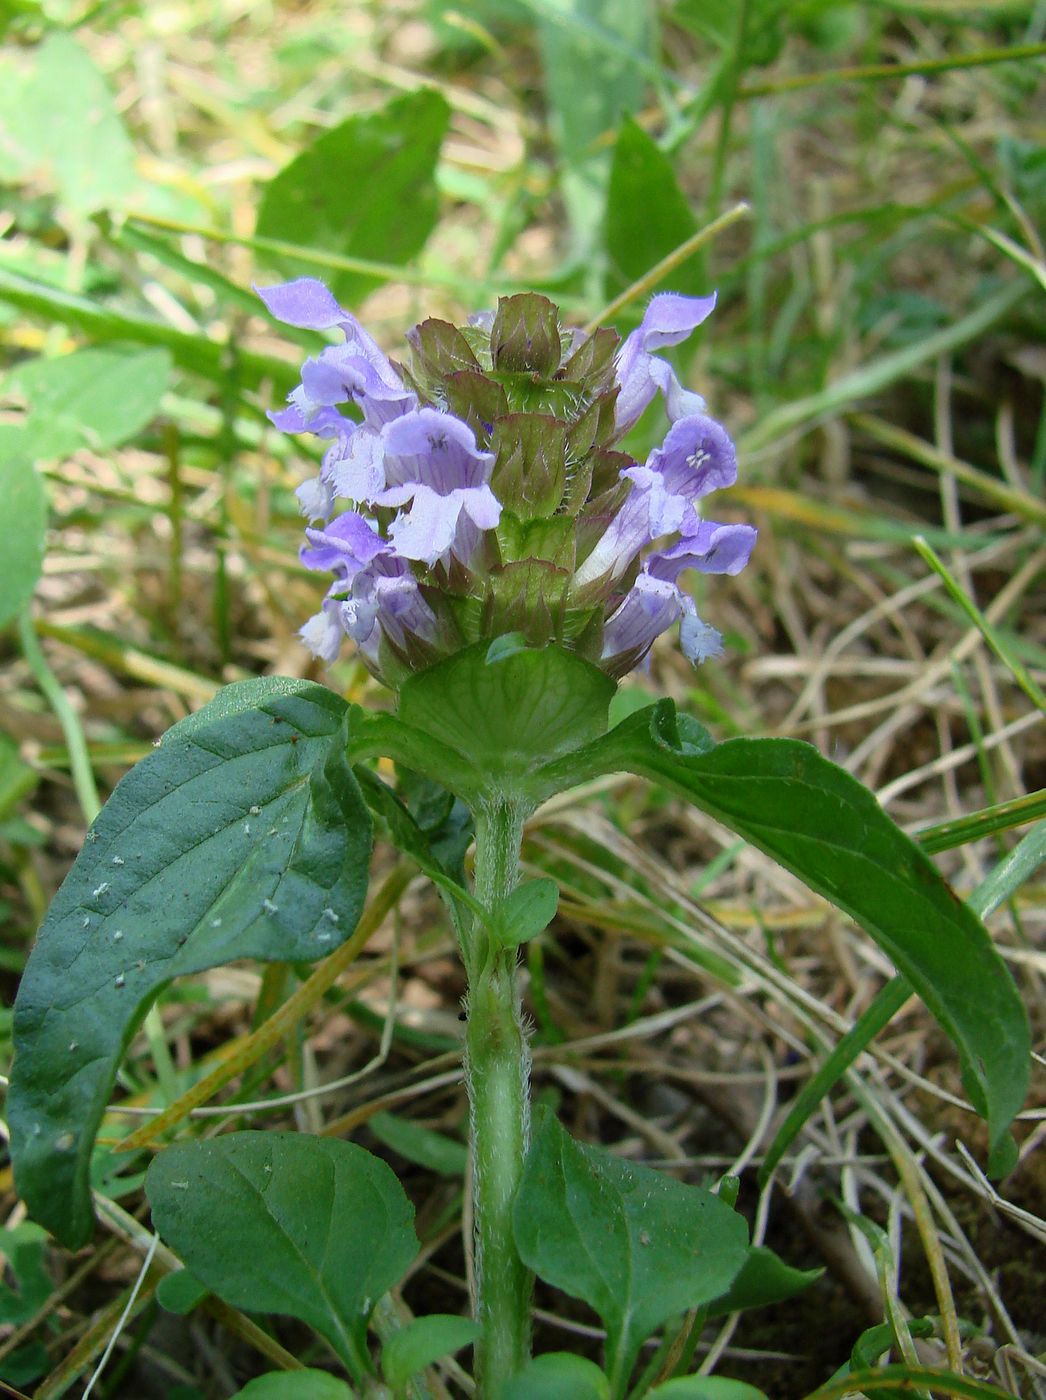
(716, 22)
(597, 57)
(295, 1385)
(705, 1388)
(329, 1222)
(529, 910)
(558, 1375)
(364, 189)
(91, 398)
(497, 715)
(23, 509)
(818, 822)
(241, 837)
(765, 1278)
(642, 177)
(423, 1341)
(24, 1250)
(194, 352)
(407, 835)
(435, 1151)
(180, 1292)
(17, 779)
(905, 1380)
(638, 1246)
(58, 124)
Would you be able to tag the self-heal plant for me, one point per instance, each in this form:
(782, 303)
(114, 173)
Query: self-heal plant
(498, 560)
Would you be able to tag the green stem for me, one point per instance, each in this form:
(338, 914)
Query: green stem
(75, 741)
(497, 1072)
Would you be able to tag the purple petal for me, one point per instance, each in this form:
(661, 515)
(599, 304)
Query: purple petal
(668, 319)
(304, 302)
(386, 595)
(435, 449)
(696, 457)
(356, 469)
(647, 610)
(315, 499)
(344, 546)
(711, 549)
(427, 530)
(699, 641)
(627, 533)
(322, 633)
(344, 374)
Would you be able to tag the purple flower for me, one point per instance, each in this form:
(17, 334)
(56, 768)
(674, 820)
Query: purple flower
(384, 601)
(696, 457)
(344, 547)
(668, 319)
(431, 460)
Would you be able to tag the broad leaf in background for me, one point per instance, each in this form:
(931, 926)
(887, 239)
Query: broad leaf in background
(598, 59)
(716, 21)
(705, 1388)
(641, 177)
(23, 509)
(364, 189)
(313, 1228)
(91, 398)
(765, 1278)
(243, 835)
(295, 1385)
(558, 1375)
(59, 126)
(638, 1246)
(421, 1342)
(821, 824)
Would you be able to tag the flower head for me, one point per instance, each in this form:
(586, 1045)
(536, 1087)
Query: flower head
(482, 490)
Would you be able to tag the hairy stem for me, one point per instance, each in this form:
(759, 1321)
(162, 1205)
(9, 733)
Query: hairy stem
(497, 1071)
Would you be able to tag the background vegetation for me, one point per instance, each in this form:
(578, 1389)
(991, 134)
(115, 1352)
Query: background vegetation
(877, 353)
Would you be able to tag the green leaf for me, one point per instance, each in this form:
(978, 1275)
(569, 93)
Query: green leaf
(180, 1292)
(597, 57)
(642, 177)
(764, 1278)
(639, 1247)
(195, 353)
(17, 779)
(91, 398)
(716, 21)
(423, 1341)
(364, 189)
(904, 1381)
(498, 714)
(24, 1250)
(434, 1151)
(558, 1375)
(245, 836)
(820, 823)
(295, 1385)
(705, 1388)
(407, 836)
(23, 509)
(331, 1226)
(529, 909)
(58, 124)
